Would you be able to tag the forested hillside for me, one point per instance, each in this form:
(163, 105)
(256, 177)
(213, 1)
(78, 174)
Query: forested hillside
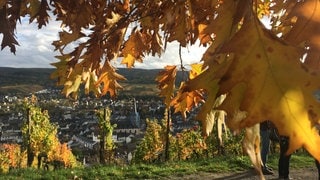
(29, 80)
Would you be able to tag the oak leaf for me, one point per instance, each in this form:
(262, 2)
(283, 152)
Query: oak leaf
(134, 48)
(8, 31)
(108, 80)
(38, 10)
(166, 83)
(305, 17)
(184, 101)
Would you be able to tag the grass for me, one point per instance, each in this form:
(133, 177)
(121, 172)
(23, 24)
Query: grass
(219, 164)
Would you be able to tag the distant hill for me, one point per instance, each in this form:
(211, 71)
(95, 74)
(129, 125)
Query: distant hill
(30, 80)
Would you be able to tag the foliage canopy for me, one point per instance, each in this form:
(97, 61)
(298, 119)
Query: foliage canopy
(267, 73)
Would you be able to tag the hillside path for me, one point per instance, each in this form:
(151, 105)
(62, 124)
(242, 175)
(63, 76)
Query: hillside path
(295, 174)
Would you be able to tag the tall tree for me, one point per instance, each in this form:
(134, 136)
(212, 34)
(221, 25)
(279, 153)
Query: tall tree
(251, 63)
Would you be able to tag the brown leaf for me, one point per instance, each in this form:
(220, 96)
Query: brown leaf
(166, 83)
(134, 48)
(39, 11)
(108, 80)
(8, 32)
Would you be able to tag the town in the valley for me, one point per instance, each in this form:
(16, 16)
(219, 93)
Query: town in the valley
(78, 124)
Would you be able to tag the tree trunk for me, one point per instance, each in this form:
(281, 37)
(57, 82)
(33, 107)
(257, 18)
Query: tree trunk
(30, 155)
(167, 134)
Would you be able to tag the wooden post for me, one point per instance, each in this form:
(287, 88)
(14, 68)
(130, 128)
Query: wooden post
(29, 152)
(167, 134)
(102, 139)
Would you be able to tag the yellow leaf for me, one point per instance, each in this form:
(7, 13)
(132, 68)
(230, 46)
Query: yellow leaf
(263, 67)
(66, 38)
(61, 69)
(115, 18)
(196, 69)
(134, 48)
(204, 38)
(128, 60)
(251, 146)
(72, 86)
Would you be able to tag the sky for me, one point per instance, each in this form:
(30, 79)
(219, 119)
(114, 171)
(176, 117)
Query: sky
(35, 50)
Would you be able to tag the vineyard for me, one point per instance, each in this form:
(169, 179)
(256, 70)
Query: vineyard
(42, 149)
(41, 155)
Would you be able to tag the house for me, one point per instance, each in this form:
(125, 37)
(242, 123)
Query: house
(11, 136)
(83, 142)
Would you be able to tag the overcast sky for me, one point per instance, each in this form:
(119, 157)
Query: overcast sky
(35, 50)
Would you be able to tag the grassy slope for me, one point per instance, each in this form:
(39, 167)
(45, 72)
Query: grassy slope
(219, 164)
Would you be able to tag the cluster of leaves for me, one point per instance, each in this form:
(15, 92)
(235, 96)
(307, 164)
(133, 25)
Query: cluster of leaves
(249, 64)
(244, 59)
(38, 132)
(188, 144)
(106, 130)
(152, 146)
(106, 127)
(40, 135)
(11, 156)
(64, 154)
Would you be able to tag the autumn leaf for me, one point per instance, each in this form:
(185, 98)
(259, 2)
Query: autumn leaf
(266, 74)
(198, 87)
(178, 21)
(66, 38)
(219, 26)
(184, 101)
(251, 146)
(134, 48)
(72, 86)
(304, 31)
(216, 117)
(305, 28)
(166, 83)
(38, 10)
(108, 80)
(196, 69)
(7, 31)
(261, 64)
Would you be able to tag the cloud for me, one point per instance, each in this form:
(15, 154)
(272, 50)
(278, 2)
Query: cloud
(35, 50)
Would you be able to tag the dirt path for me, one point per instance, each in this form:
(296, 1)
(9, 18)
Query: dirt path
(296, 174)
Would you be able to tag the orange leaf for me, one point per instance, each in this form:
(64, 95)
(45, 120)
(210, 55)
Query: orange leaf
(166, 83)
(108, 80)
(134, 48)
(184, 101)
